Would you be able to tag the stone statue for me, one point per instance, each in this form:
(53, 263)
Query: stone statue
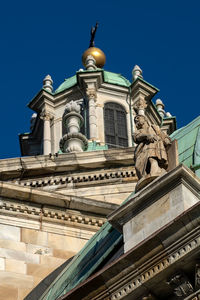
(180, 285)
(197, 276)
(150, 154)
(93, 32)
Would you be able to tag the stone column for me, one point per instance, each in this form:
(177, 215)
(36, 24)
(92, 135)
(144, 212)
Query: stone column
(91, 94)
(128, 122)
(46, 117)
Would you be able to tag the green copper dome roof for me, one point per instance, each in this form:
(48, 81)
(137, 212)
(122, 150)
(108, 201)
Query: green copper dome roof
(188, 138)
(68, 83)
(115, 78)
(109, 77)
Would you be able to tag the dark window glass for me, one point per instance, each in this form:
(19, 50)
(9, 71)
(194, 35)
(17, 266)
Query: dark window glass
(115, 125)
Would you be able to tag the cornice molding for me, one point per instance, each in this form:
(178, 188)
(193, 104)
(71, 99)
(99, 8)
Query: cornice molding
(45, 213)
(96, 178)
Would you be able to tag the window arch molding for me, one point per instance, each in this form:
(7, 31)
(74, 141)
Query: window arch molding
(115, 125)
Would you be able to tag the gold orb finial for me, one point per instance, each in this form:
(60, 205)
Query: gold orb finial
(98, 55)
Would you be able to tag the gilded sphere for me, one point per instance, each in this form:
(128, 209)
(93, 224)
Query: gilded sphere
(97, 54)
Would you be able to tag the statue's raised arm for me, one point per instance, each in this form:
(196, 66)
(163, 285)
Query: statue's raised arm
(93, 32)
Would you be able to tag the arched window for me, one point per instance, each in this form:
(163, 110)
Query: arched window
(115, 125)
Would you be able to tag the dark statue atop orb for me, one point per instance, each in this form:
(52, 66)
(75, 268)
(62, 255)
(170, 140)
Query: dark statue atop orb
(93, 32)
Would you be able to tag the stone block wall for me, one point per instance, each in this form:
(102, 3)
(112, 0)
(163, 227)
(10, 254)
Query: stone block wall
(29, 255)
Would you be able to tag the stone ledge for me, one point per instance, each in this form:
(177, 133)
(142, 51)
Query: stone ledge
(37, 165)
(154, 191)
(35, 196)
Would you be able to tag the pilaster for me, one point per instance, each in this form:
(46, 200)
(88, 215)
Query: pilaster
(92, 95)
(46, 117)
(90, 82)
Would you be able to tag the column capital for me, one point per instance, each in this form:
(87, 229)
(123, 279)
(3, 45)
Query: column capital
(46, 116)
(91, 93)
(139, 106)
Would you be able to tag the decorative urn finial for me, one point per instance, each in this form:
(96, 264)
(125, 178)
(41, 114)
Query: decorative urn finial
(160, 107)
(48, 83)
(136, 72)
(74, 140)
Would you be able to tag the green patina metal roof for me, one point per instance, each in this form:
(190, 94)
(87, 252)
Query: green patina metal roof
(68, 83)
(188, 138)
(115, 78)
(109, 77)
(94, 146)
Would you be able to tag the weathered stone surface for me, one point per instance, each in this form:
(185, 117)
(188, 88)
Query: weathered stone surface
(15, 280)
(156, 205)
(67, 162)
(37, 237)
(22, 293)
(40, 271)
(63, 253)
(9, 232)
(8, 293)
(38, 249)
(70, 229)
(172, 154)
(115, 193)
(2, 264)
(12, 245)
(51, 261)
(62, 242)
(15, 266)
(157, 215)
(19, 255)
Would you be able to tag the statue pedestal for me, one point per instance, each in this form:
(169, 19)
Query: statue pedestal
(147, 179)
(156, 205)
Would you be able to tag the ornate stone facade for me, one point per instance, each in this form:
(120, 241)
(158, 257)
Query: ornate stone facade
(56, 196)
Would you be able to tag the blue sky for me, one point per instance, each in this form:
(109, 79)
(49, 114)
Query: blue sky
(49, 37)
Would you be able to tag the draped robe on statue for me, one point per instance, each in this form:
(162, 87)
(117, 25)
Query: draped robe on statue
(146, 149)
